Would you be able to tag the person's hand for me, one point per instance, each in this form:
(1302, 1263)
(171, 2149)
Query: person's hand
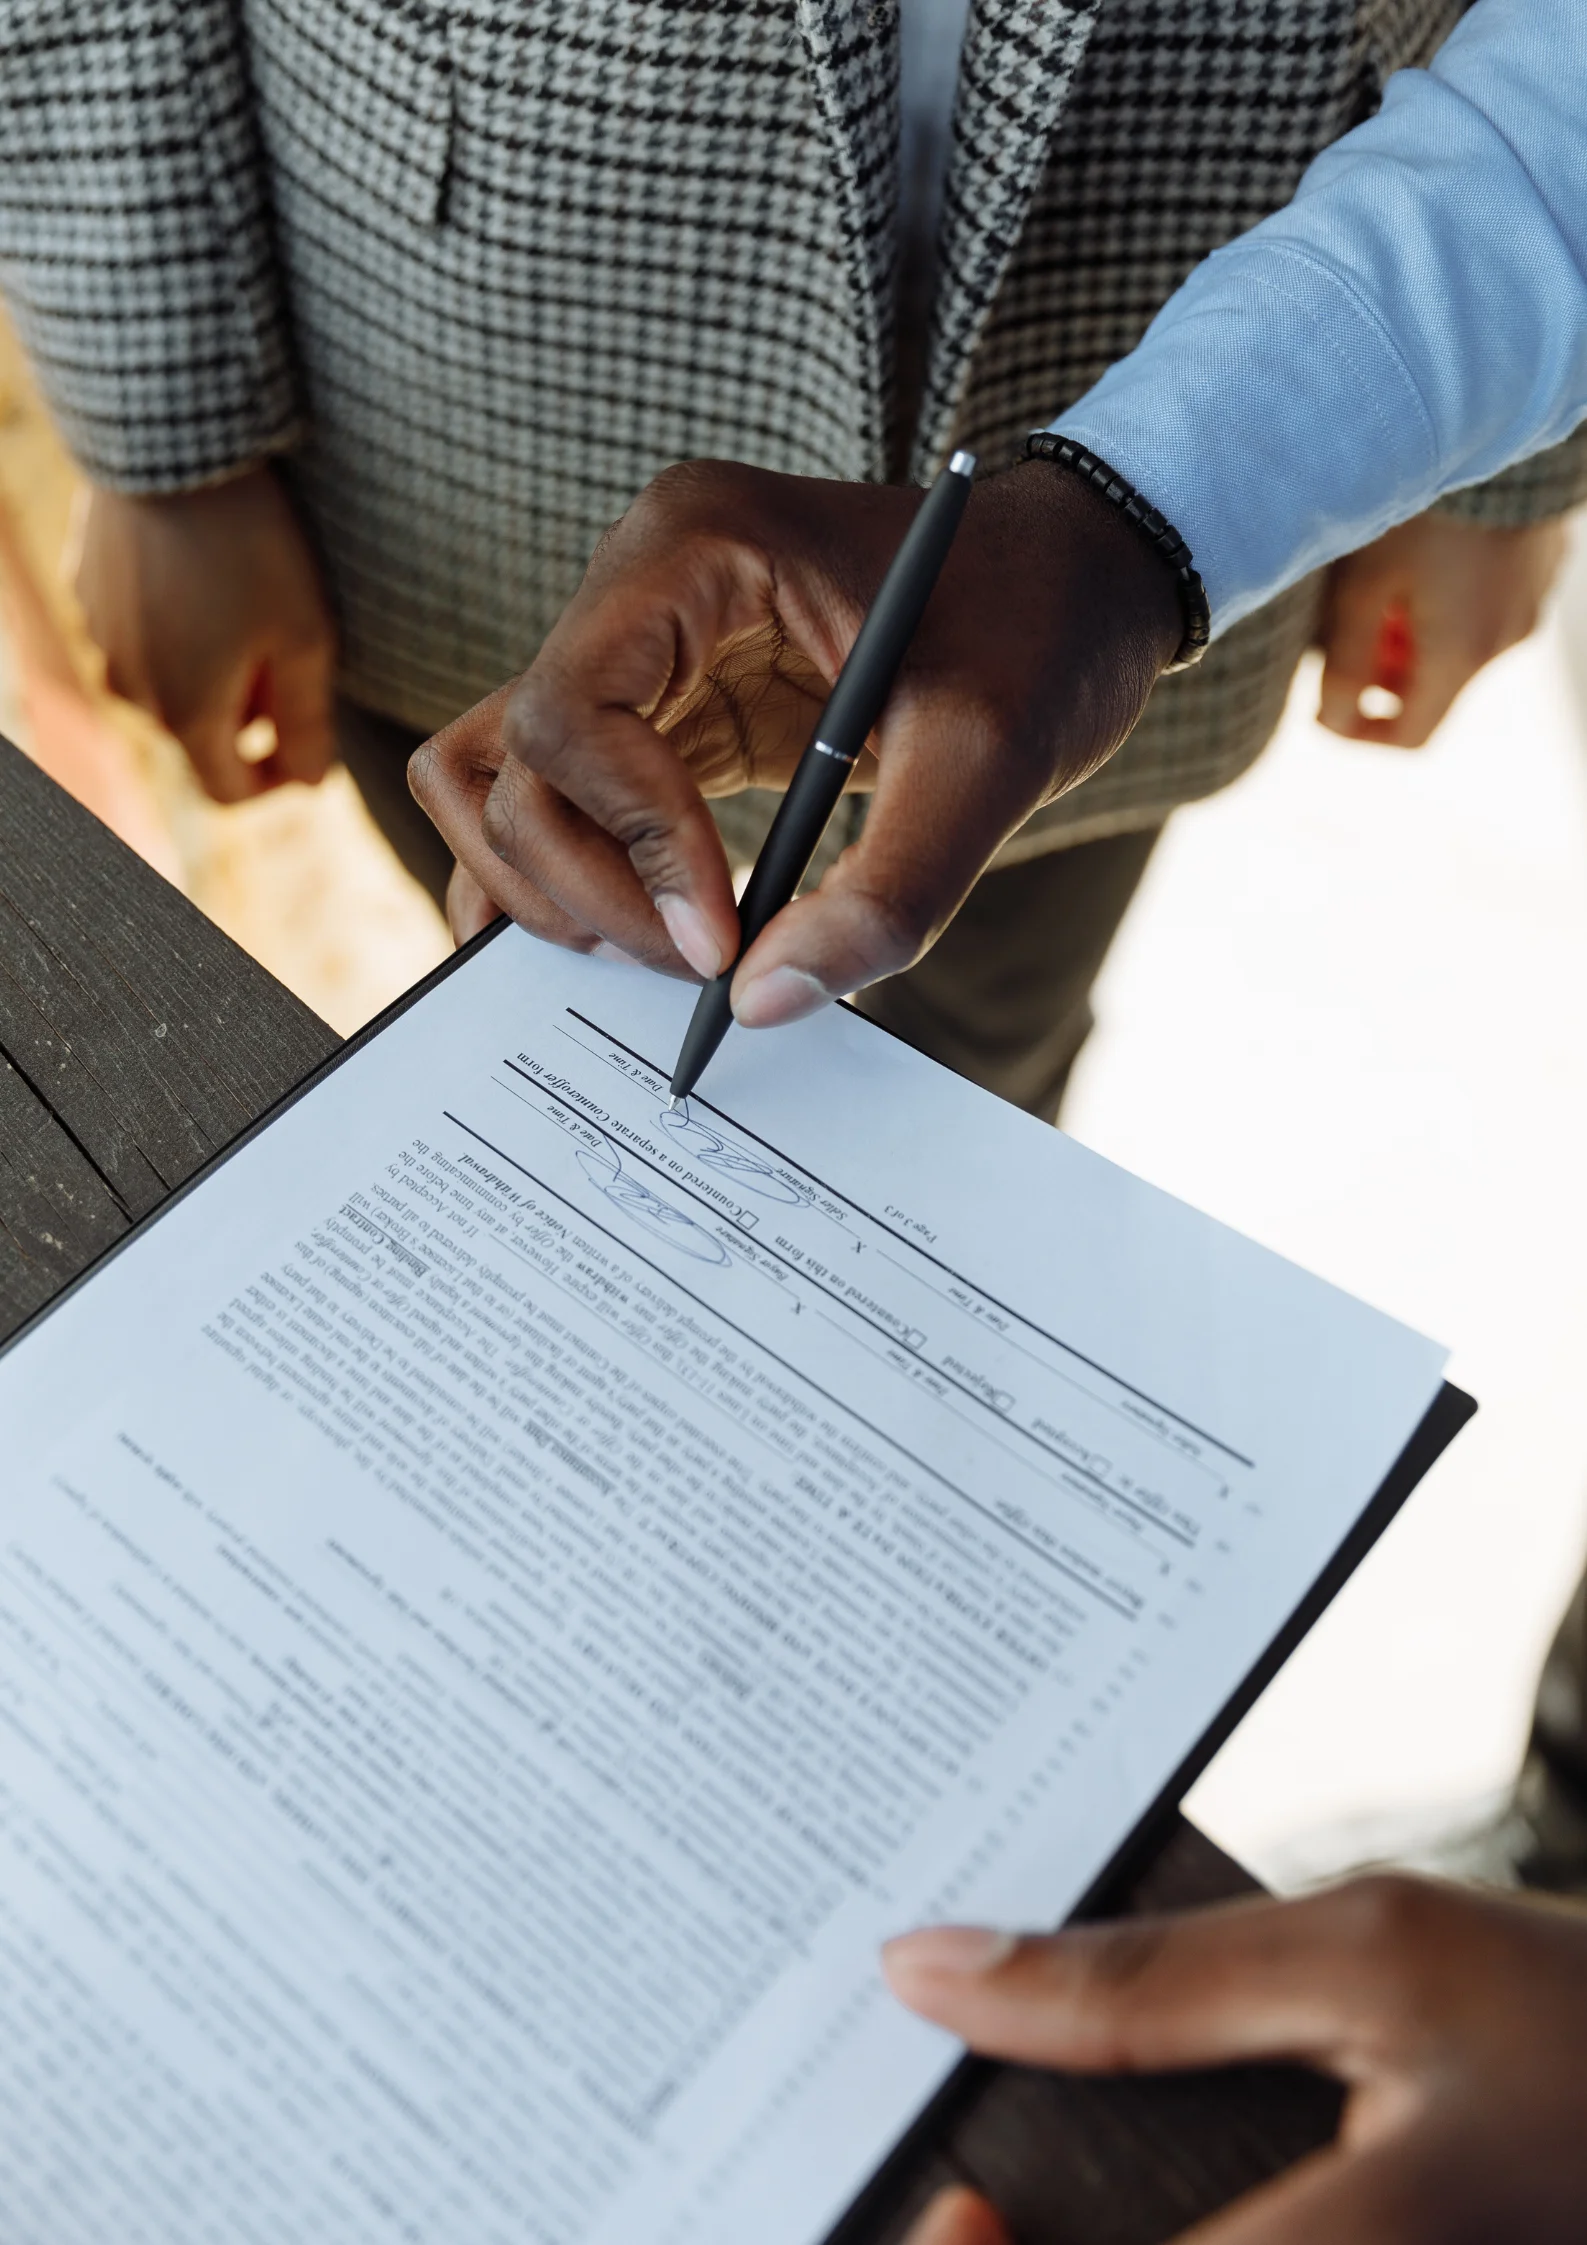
(468, 908)
(209, 609)
(1457, 2020)
(1417, 614)
(694, 661)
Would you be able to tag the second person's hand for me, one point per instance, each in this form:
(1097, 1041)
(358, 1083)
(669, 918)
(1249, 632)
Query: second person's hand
(1461, 591)
(694, 661)
(1456, 2019)
(210, 612)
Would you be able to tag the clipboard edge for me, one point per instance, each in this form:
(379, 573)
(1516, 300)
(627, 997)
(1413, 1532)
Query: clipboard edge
(1450, 1410)
(344, 1052)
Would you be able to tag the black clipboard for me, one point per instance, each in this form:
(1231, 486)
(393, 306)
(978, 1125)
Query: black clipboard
(1443, 1419)
(1449, 1411)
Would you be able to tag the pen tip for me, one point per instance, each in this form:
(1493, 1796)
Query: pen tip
(962, 464)
(672, 1101)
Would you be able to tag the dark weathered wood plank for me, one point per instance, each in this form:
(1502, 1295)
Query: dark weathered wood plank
(135, 1038)
(56, 1211)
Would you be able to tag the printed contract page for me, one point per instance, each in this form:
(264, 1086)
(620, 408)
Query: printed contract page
(509, 1593)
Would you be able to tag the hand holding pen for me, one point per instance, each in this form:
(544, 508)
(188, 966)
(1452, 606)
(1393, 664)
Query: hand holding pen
(696, 659)
(844, 726)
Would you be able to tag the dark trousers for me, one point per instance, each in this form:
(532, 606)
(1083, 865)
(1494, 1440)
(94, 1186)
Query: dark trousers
(376, 751)
(1004, 998)
(1004, 995)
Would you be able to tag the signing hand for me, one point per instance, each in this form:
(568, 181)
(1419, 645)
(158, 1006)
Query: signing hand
(694, 661)
(209, 608)
(1458, 2021)
(1452, 595)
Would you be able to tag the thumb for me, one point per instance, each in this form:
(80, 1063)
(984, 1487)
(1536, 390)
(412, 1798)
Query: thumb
(209, 735)
(1365, 643)
(945, 799)
(958, 2217)
(1249, 1980)
(295, 692)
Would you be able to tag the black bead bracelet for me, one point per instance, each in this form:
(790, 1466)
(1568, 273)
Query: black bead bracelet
(1164, 539)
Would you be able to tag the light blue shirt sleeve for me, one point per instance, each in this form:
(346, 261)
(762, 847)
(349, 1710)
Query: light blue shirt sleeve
(1414, 320)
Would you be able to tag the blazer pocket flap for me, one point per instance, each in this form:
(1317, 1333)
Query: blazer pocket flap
(367, 89)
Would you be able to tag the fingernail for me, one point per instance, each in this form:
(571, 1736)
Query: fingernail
(958, 1951)
(605, 950)
(691, 934)
(785, 994)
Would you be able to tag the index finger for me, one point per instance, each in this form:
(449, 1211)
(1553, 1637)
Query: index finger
(588, 720)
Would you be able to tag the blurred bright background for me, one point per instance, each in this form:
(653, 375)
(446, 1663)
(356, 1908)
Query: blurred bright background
(1348, 1015)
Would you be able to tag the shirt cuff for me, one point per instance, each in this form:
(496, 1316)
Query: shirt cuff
(1339, 449)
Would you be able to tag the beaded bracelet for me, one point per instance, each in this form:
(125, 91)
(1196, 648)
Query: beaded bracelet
(1164, 539)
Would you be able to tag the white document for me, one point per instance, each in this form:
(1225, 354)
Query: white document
(509, 1594)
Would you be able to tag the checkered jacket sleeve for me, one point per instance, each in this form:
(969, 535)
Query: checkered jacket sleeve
(135, 248)
(1534, 490)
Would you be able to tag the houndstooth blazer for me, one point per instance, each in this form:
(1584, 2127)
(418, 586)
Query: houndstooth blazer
(481, 267)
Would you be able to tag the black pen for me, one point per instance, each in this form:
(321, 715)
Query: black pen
(854, 705)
